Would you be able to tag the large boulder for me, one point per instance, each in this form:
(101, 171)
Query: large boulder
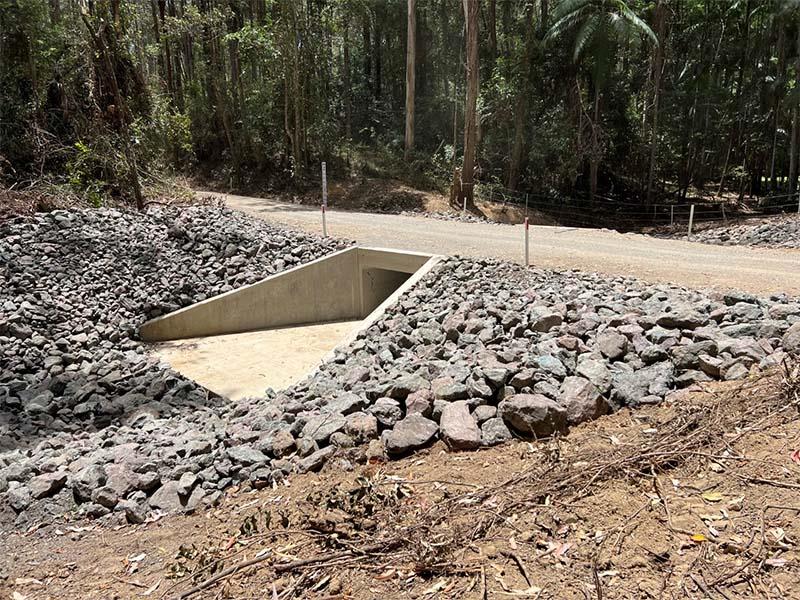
(791, 339)
(458, 427)
(413, 432)
(533, 414)
(582, 400)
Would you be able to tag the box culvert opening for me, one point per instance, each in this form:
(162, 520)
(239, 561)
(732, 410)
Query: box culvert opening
(272, 333)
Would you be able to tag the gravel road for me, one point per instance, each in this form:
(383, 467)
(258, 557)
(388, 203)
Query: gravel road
(757, 270)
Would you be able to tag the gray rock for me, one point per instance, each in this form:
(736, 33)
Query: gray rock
(105, 496)
(420, 403)
(411, 433)
(494, 431)
(405, 385)
(791, 339)
(361, 427)
(386, 411)
(533, 414)
(18, 496)
(346, 404)
(247, 455)
(320, 427)
(682, 318)
(315, 461)
(612, 344)
(596, 371)
(457, 427)
(167, 498)
(544, 319)
(186, 483)
(283, 443)
(582, 400)
(484, 412)
(47, 484)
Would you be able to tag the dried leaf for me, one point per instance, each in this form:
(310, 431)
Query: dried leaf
(796, 456)
(712, 496)
(386, 575)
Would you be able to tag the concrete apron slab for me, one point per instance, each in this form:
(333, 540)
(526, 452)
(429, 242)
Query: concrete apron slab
(276, 331)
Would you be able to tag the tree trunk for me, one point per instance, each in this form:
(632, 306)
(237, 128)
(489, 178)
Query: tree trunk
(492, 23)
(367, 50)
(348, 86)
(471, 15)
(658, 68)
(795, 127)
(594, 159)
(521, 109)
(410, 77)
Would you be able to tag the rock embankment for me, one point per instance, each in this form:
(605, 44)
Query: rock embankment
(479, 351)
(776, 232)
(74, 380)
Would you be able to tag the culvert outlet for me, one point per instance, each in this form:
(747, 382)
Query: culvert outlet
(272, 333)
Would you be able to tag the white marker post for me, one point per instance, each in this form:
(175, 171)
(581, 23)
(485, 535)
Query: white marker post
(324, 199)
(724, 218)
(691, 221)
(527, 262)
(671, 215)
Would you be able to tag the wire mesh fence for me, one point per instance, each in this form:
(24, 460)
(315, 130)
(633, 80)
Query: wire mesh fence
(614, 213)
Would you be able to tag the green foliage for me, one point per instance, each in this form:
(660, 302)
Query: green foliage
(257, 92)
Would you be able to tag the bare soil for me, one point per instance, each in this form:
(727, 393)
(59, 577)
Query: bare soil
(695, 498)
(393, 196)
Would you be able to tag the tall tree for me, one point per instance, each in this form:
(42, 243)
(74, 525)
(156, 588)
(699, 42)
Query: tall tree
(660, 22)
(411, 61)
(471, 16)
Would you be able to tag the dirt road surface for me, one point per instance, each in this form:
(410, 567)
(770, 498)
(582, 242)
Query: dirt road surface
(756, 270)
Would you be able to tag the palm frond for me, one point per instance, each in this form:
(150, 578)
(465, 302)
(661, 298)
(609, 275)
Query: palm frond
(637, 23)
(586, 35)
(566, 7)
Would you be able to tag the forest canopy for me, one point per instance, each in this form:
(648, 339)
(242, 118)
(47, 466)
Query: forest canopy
(629, 98)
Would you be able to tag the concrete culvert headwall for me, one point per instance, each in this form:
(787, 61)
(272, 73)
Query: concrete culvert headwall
(344, 286)
(273, 333)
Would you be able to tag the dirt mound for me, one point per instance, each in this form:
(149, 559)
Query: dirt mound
(696, 497)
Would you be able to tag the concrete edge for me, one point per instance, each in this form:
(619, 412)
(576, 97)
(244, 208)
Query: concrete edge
(376, 314)
(142, 329)
(147, 329)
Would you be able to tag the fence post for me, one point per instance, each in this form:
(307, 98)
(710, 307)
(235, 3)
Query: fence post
(691, 222)
(798, 202)
(724, 218)
(527, 262)
(526, 205)
(324, 198)
(672, 215)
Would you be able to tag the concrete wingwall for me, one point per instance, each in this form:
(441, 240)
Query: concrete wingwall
(346, 285)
